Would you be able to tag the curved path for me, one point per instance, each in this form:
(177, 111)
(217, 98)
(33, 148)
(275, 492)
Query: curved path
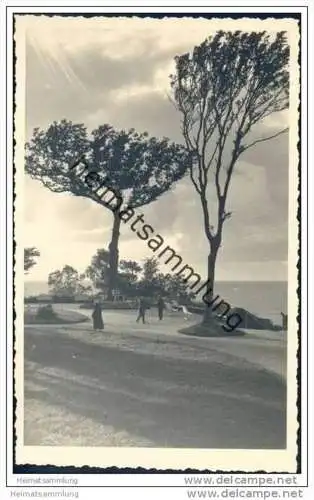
(146, 385)
(265, 349)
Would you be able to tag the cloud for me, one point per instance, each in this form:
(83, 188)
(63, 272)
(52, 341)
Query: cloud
(98, 236)
(84, 86)
(119, 37)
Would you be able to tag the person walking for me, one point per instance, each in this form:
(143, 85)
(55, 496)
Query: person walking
(161, 307)
(98, 323)
(142, 306)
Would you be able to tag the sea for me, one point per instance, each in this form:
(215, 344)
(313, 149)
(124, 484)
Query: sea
(266, 299)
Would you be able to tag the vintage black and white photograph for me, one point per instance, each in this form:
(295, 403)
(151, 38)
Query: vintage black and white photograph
(156, 181)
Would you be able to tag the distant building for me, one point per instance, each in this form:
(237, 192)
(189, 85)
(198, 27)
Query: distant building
(118, 296)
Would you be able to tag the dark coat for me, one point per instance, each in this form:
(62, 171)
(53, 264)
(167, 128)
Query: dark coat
(98, 323)
(161, 304)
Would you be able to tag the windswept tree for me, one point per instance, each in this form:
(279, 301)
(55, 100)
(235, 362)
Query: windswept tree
(139, 168)
(30, 254)
(224, 89)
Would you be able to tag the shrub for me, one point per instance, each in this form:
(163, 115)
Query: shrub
(46, 312)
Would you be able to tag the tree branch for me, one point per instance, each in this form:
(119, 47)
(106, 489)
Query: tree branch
(198, 190)
(244, 147)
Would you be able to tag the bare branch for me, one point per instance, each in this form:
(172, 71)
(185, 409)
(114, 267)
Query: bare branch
(245, 148)
(193, 180)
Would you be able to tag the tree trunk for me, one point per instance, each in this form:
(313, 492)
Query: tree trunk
(114, 255)
(211, 266)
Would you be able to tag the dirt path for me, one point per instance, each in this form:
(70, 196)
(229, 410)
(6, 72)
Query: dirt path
(265, 349)
(116, 390)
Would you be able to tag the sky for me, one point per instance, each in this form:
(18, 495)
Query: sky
(116, 71)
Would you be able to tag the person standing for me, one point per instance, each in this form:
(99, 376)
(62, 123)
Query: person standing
(141, 310)
(161, 307)
(284, 321)
(98, 323)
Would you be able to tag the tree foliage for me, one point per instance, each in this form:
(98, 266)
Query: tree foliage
(98, 273)
(130, 267)
(154, 282)
(150, 269)
(30, 254)
(64, 282)
(175, 287)
(139, 167)
(134, 279)
(98, 270)
(128, 276)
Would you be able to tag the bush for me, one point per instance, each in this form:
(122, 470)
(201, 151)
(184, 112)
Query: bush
(45, 315)
(46, 312)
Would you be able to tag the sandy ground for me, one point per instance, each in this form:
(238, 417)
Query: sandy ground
(136, 385)
(265, 349)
